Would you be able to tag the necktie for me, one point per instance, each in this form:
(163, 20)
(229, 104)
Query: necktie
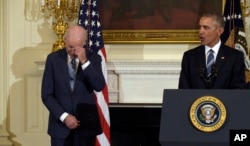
(73, 63)
(72, 72)
(210, 61)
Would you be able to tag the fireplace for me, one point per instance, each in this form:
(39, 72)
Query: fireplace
(135, 124)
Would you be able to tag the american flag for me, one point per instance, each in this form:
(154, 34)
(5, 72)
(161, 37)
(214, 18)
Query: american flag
(234, 32)
(89, 19)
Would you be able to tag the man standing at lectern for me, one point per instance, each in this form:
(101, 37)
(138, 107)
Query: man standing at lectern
(212, 65)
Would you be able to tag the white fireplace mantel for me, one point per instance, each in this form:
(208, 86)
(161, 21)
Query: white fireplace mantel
(144, 67)
(138, 81)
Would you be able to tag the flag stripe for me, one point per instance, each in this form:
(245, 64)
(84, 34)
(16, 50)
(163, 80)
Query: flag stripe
(89, 19)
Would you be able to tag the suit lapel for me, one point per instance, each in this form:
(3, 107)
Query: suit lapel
(78, 72)
(201, 57)
(220, 60)
(221, 57)
(64, 67)
(201, 60)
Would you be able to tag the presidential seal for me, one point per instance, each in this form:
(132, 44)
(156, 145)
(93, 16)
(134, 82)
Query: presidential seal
(207, 114)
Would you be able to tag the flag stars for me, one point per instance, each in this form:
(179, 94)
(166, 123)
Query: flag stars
(90, 43)
(97, 43)
(98, 24)
(233, 16)
(89, 18)
(225, 19)
(98, 34)
(87, 13)
(81, 12)
(93, 13)
(86, 22)
(239, 16)
(80, 22)
(94, 3)
(93, 23)
(91, 33)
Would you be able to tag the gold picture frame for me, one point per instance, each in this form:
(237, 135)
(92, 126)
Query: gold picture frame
(150, 36)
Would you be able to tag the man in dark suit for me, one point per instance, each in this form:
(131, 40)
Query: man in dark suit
(227, 65)
(73, 115)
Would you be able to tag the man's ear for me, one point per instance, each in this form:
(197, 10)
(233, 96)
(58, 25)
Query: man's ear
(221, 30)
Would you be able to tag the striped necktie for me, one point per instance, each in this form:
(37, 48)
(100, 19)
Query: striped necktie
(72, 72)
(210, 61)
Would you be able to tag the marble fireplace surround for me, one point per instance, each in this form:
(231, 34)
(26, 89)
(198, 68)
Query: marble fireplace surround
(138, 81)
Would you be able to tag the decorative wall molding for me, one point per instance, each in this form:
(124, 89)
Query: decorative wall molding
(141, 81)
(4, 138)
(144, 67)
(4, 135)
(138, 81)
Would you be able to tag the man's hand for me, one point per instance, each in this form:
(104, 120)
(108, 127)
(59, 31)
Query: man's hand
(81, 54)
(71, 122)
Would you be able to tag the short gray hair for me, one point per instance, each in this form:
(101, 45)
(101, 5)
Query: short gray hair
(216, 16)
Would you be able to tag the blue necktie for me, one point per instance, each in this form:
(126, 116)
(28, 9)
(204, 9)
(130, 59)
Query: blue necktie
(72, 72)
(210, 62)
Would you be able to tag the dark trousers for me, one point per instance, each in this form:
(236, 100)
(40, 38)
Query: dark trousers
(73, 140)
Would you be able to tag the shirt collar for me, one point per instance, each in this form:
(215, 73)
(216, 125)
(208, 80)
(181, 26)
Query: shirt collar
(69, 60)
(215, 48)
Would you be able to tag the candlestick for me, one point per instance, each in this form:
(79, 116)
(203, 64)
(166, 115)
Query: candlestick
(63, 11)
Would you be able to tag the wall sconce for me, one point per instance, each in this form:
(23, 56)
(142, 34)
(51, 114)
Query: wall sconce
(63, 11)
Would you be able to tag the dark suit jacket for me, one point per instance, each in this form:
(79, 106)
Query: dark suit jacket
(230, 69)
(58, 97)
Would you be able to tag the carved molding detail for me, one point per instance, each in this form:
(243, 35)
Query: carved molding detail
(169, 66)
(117, 68)
(145, 67)
(4, 138)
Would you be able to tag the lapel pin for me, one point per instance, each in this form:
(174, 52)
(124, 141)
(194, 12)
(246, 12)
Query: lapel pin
(222, 57)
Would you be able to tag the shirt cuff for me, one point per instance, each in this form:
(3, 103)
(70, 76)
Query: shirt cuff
(63, 116)
(85, 65)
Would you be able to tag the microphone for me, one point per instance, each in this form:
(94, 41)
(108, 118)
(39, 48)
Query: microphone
(210, 79)
(203, 76)
(214, 71)
(201, 72)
